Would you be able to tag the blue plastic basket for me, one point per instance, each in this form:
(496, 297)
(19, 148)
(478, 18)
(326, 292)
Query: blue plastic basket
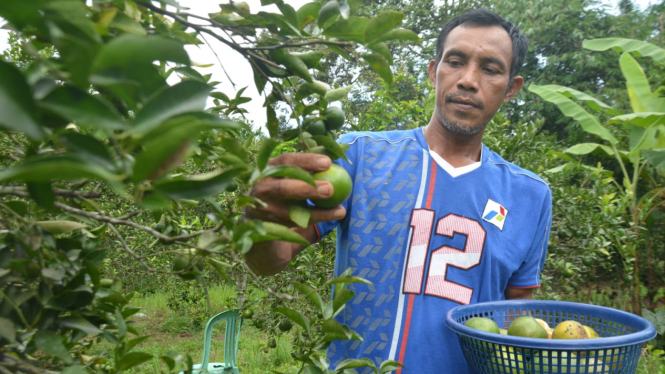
(617, 351)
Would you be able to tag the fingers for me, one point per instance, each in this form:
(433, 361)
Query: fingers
(278, 212)
(291, 189)
(307, 161)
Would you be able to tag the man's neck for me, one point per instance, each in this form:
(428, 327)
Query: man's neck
(458, 150)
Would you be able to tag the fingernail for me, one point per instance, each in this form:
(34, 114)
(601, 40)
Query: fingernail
(323, 162)
(323, 189)
(339, 213)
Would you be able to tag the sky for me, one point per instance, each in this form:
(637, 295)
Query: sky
(239, 71)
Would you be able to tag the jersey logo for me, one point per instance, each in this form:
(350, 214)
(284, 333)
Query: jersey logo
(495, 214)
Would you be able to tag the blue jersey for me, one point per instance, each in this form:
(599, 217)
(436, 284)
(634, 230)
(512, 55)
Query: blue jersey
(429, 242)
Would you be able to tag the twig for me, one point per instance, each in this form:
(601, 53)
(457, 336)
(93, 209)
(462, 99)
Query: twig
(131, 252)
(130, 215)
(219, 61)
(23, 192)
(18, 216)
(302, 44)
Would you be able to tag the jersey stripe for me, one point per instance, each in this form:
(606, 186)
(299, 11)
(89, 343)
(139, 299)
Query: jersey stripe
(400, 305)
(409, 308)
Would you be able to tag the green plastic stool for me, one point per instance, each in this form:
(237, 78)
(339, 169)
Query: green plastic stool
(232, 335)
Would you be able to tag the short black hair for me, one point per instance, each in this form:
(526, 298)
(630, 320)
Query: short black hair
(484, 18)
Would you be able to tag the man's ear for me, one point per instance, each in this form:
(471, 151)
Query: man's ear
(514, 88)
(431, 69)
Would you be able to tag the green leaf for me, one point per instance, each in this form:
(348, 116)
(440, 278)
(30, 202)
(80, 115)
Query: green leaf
(127, 51)
(272, 122)
(127, 24)
(294, 316)
(311, 294)
(331, 326)
(332, 146)
(55, 168)
(275, 231)
(381, 24)
(345, 279)
(328, 14)
(382, 49)
(351, 363)
(7, 330)
(380, 66)
(132, 359)
(338, 93)
(637, 47)
(16, 104)
(308, 13)
(643, 119)
(199, 186)
(162, 154)
(655, 157)
(186, 96)
(297, 67)
(637, 84)
(88, 148)
(59, 227)
(398, 34)
(194, 123)
(265, 150)
(19, 207)
(340, 299)
(287, 171)
(51, 344)
(76, 369)
(299, 213)
(79, 323)
(389, 365)
(352, 29)
(289, 13)
(122, 325)
(19, 13)
(586, 148)
(590, 101)
(54, 273)
(134, 342)
(42, 193)
(569, 108)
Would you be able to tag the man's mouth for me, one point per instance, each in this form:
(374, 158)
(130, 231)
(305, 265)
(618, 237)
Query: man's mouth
(463, 101)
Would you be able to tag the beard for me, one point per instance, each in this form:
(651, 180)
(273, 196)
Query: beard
(456, 127)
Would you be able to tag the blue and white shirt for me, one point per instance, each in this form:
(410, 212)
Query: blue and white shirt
(429, 242)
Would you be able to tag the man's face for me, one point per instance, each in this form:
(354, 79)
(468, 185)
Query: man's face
(472, 78)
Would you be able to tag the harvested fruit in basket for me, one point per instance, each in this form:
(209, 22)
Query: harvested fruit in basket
(569, 330)
(527, 327)
(482, 324)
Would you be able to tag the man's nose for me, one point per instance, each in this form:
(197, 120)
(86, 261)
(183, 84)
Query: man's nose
(469, 80)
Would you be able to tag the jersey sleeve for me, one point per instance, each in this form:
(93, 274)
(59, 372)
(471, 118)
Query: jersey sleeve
(528, 274)
(324, 228)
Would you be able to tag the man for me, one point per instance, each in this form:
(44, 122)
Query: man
(436, 219)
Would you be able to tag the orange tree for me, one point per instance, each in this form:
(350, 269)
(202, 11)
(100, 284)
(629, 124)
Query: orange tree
(90, 116)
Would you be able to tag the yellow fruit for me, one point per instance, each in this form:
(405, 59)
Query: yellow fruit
(341, 182)
(569, 330)
(545, 326)
(503, 331)
(482, 324)
(591, 334)
(527, 327)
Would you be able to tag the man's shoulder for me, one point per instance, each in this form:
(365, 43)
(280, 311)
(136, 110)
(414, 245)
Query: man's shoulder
(495, 160)
(394, 136)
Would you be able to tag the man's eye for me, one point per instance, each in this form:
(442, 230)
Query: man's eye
(454, 63)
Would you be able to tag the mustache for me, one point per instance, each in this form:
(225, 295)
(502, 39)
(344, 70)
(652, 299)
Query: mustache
(467, 97)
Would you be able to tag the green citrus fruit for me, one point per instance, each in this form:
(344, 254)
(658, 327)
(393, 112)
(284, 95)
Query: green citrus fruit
(248, 313)
(527, 327)
(482, 324)
(182, 262)
(341, 182)
(569, 330)
(285, 325)
(568, 272)
(334, 118)
(316, 127)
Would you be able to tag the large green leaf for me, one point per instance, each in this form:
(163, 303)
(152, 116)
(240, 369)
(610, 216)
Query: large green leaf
(350, 363)
(338, 93)
(16, 104)
(195, 122)
(352, 29)
(132, 359)
(381, 24)
(20, 13)
(588, 100)
(82, 108)
(128, 50)
(294, 316)
(328, 14)
(656, 157)
(59, 227)
(380, 66)
(643, 119)
(56, 168)
(72, 18)
(569, 108)
(51, 343)
(637, 47)
(88, 148)
(199, 186)
(274, 231)
(399, 34)
(288, 171)
(586, 148)
(79, 323)
(311, 294)
(7, 329)
(186, 96)
(641, 98)
(265, 150)
(308, 13)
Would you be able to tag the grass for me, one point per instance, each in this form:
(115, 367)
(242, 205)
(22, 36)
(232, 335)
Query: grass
(172, 333)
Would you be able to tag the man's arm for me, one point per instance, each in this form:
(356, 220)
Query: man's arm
(267, 258)
(518, 293)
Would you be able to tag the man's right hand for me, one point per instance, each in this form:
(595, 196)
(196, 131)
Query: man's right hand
(276, 192)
